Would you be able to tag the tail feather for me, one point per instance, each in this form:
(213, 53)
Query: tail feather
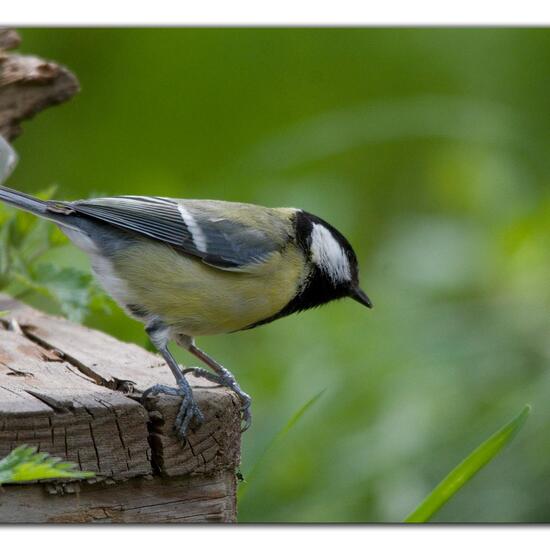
(38, 207)
(23, 201)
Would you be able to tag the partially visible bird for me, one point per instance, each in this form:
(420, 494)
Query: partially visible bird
(188, 268)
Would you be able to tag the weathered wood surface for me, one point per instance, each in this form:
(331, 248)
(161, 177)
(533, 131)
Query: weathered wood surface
(75, 393)
(139, 500)
(28, 85)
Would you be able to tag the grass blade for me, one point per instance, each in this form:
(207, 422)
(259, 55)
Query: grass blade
(293, 420)
(472, 464)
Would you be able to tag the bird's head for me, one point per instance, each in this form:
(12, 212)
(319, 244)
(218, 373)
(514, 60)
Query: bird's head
(334, 271)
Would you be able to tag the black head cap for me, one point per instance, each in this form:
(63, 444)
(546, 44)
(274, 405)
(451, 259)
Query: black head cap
(334, 269)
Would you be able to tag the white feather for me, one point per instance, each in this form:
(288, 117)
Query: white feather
(102, 267)
(161, 337)
(197, 233)
(80, 239)
(327, 253)
(109, 279)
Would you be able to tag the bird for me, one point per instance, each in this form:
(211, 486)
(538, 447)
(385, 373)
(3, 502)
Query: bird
(189, 268)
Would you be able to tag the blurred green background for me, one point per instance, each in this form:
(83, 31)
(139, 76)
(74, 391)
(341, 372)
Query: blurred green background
(429, 149)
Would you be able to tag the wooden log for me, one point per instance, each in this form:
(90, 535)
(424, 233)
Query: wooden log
(76, 393)
(189, 499)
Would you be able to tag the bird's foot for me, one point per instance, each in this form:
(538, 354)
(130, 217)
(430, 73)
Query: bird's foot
(246, 415)
(227, 381)
(189, 410)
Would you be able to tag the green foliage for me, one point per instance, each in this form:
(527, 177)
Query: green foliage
(472, 464)
(24, 463)
(24, 240)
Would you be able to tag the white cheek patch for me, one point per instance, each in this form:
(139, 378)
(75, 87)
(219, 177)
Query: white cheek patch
(329, 255)
(199, 239)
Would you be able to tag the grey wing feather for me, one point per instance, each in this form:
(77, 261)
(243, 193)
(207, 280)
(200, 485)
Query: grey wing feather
(217, 232)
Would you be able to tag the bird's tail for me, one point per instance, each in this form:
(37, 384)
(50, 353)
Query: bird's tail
(38, 207)
(24, 202)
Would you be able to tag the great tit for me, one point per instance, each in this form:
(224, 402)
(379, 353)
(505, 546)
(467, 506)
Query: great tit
(188, 268)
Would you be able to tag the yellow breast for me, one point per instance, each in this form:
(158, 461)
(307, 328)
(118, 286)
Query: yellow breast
(197, 299)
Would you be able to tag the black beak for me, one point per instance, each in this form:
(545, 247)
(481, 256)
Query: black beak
(359, 296)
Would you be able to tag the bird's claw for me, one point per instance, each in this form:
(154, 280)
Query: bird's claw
(160, 388)
(246, 416)
(228, 382)
(189, 410)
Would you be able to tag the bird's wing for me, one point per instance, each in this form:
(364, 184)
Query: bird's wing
(231, 236)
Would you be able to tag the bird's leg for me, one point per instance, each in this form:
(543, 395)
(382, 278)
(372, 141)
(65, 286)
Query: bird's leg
(189, 410)
(222, 376)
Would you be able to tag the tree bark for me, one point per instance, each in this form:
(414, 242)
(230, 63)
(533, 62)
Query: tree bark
(28, 84)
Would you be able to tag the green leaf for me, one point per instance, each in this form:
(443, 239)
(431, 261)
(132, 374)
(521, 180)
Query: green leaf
(48, 193)
(5, 260)
(472, 464)
(26, 464)
(23, 225)
(56, 237)
(69, 286)
(24, 239)
(293, 420)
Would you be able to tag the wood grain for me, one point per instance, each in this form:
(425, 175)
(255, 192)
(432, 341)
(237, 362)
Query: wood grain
(189, 499)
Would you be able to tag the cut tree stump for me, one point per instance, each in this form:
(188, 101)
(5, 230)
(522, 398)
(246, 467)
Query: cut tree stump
(75, 393)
